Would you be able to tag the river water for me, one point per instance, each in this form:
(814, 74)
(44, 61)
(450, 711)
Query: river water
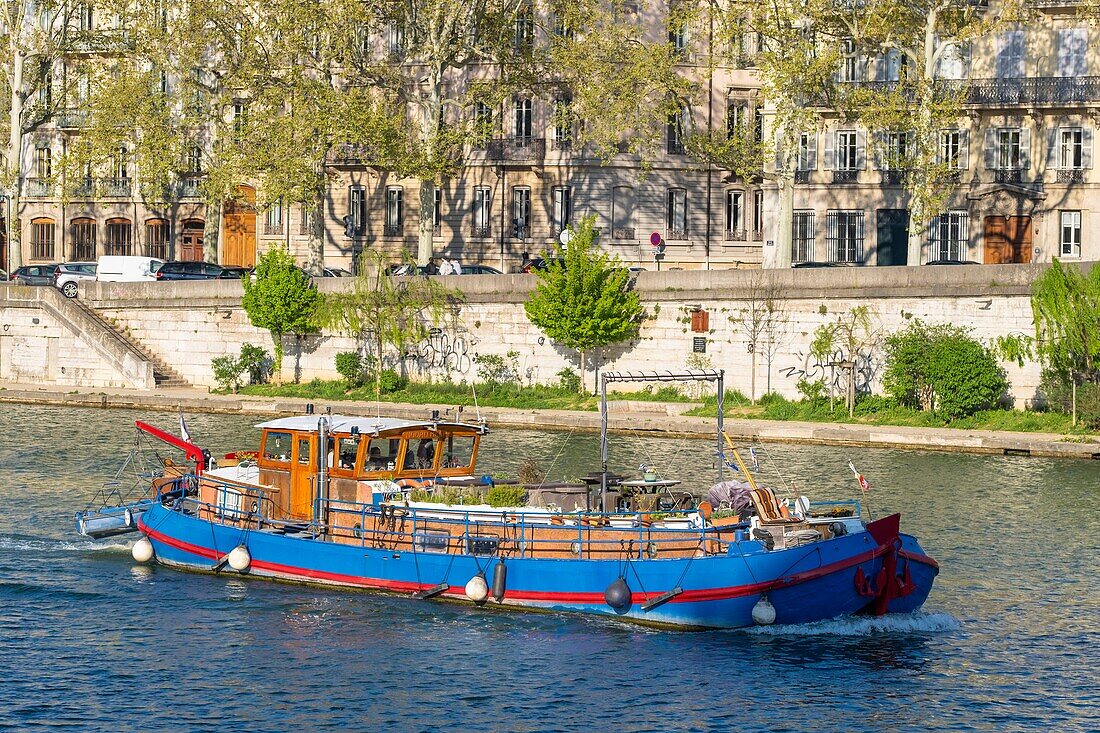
(1007, 640)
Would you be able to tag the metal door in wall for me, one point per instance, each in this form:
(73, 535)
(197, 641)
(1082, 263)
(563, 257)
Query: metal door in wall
(1007, 239)
(893, 237)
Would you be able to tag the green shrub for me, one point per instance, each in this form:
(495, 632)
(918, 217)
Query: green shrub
(230, 371)
(812, 391)
(942, 369)
(871, 404)
(227, 372)
(569, 380)
(506, 496)
(350, 366)
(1088, 404)
(1055, 391)
(256, 362)
(390, 381)
(496, 370)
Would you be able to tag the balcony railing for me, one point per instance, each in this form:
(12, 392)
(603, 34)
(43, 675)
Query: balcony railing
(117, 187)
(758, 235)
(273, 228)
(345, 154)
(674, 233)
(84, 188)
(108, 40)
(392, 230)
(953, 176)
(71, 118)
(517, 149)
(1075, 175)
(1008, 175)
(846, 176)
(479, 231)
(39, 187)
(190, 187)
(802, 176)
(561, 143)
(736, 235)
(894, 177)
(622, 233)
(1067, 90)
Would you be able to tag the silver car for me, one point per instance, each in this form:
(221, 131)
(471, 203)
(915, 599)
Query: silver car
(68, 274)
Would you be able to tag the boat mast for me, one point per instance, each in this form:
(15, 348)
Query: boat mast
(603, 442)
(721, 416)
(322, 474)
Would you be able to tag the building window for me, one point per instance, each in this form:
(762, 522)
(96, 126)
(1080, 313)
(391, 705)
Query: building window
(676, 218)
(954, 61)
(562, 210)
(305, 220)
(523, 112)
(85, 16)
(483, 204)
(622, 212)
(844, 236)
(483, 124)
(394, 213)
(563, 122)
(43, 162)
(120, 163)
(674, 133)
(948, 236)
(849, 65)
(803, 236)
(953, 149)
(735, 119)
(807, 151)
(1071, 149)
(559, 26)
(240, 117)
(273, 219)
(1010, 55)
(119, 237)
(735, 215)
(1008, 149)
(1072, 52)
(1070, 239)
(395, 39)
(896, 151)
(847, 150)
(677, 29)
(757, 215)
(357, 209)
(894, 65)
(525, 28)
(437, 209)
(42, 236)
(157, 237)
(194, 159)
(521, 212)
(83, 235)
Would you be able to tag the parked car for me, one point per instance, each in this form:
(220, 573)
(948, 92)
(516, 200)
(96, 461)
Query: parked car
(406, 269)
(541, 263)
(126, 269)
(809, 263)
(3, 276)
(336, 272)
(68, 274)
(233, 272)
(187, 270)
(480, 270)
(952, 262)
(33, 275)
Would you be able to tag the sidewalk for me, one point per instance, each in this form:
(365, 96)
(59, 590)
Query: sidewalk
(653, 418)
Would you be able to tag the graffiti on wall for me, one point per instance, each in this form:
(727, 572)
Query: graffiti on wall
(831, 374)
(449, 352)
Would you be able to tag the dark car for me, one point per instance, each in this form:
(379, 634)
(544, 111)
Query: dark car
(232, 272)
(952, 262)
(407, 269)
(34, 275)
(178, 270)
(336, 272)
(480, 270)
(541, 263)
(823, 264)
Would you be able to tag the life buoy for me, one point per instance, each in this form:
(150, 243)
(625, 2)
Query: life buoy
(412, 483)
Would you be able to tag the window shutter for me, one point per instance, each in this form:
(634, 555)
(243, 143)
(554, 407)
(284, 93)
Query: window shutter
(861, 149)
(1025, 148)
(1086, 147)
(991, 148)
(1054, 138)
(830, 150)
(811, 157)
(964, 149)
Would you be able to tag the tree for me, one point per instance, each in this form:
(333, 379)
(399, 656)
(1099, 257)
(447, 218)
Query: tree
(842, 343)
(281, 299)
(381, 310)
(762, 320)
(584, 300)
(34, 38)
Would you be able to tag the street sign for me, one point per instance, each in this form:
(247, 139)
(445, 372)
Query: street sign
(655, 238)
(565, 236)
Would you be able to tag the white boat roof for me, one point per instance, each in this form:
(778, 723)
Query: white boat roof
(366, 425)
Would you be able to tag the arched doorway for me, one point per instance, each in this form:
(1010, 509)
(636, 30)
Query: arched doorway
(191, 240)
(240, 229)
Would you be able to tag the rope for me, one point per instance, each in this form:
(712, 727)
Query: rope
(554, 462)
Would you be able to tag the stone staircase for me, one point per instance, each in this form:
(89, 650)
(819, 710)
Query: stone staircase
(163, 375)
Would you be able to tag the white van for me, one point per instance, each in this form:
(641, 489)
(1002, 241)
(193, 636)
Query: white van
(127, 269)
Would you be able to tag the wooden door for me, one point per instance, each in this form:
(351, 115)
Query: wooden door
(191, 240)
(302, 477)
(240, 229)
(893, 237)
(1007, 239)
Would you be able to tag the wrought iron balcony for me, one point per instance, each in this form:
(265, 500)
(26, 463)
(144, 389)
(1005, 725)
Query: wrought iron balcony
(273, 228)
(345, 154)
(1075, 175)
(85, 188)
(392, 230)
(758, 235)
(1049, 90)
(736, 235)
(481, 231)
(561, 143)
(71, 118)
(846, 176)
(1008, 175)
(674, 233)
(190, 187)
(117, 187)
(107, 40)
(894, 177)
(529, 150)
(953, 176)
(622, 233)
(39, 187)
(802, 176)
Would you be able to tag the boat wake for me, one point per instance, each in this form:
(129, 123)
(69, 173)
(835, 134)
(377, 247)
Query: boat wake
(908, 623)
(31, 544)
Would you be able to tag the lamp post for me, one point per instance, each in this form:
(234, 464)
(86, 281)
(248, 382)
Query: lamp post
(7, 232)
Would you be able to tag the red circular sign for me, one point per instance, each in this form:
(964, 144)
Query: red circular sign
(655, 238)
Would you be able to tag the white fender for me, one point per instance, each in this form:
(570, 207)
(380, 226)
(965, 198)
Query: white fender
(142, 550)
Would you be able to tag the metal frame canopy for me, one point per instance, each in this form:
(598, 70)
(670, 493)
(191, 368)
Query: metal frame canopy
(687, 375)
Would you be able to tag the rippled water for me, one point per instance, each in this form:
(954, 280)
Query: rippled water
(92, 642)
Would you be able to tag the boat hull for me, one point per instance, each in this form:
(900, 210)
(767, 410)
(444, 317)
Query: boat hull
(803, 584)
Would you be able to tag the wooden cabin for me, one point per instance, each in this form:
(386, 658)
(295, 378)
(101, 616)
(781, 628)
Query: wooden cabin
(362, 453)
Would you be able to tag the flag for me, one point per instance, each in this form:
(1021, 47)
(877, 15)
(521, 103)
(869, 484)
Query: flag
(863, 483)
(183, 428)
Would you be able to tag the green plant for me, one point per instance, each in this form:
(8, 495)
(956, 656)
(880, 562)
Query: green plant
(496, 370)
(390, 381)
(569, 380)
(281, 300)
(349, 365)
(811, 390)
(256, 362)
(530, 472)
(500, 496)
(230, 371)
(227, 372)
(942, 369)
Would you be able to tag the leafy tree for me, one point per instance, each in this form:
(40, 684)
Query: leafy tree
(762, 320)
(381, 310)
(942, 369)
(584, 300)
(843, 342)
(281, 299)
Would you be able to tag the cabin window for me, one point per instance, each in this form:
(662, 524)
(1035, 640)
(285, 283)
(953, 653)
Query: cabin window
(420, 453)
(303, 451)
(277, 446)
(431, 541)
(382, 454)
(458, 451)
(349, 449)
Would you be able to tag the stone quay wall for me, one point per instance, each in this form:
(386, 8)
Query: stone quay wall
(188, 323)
